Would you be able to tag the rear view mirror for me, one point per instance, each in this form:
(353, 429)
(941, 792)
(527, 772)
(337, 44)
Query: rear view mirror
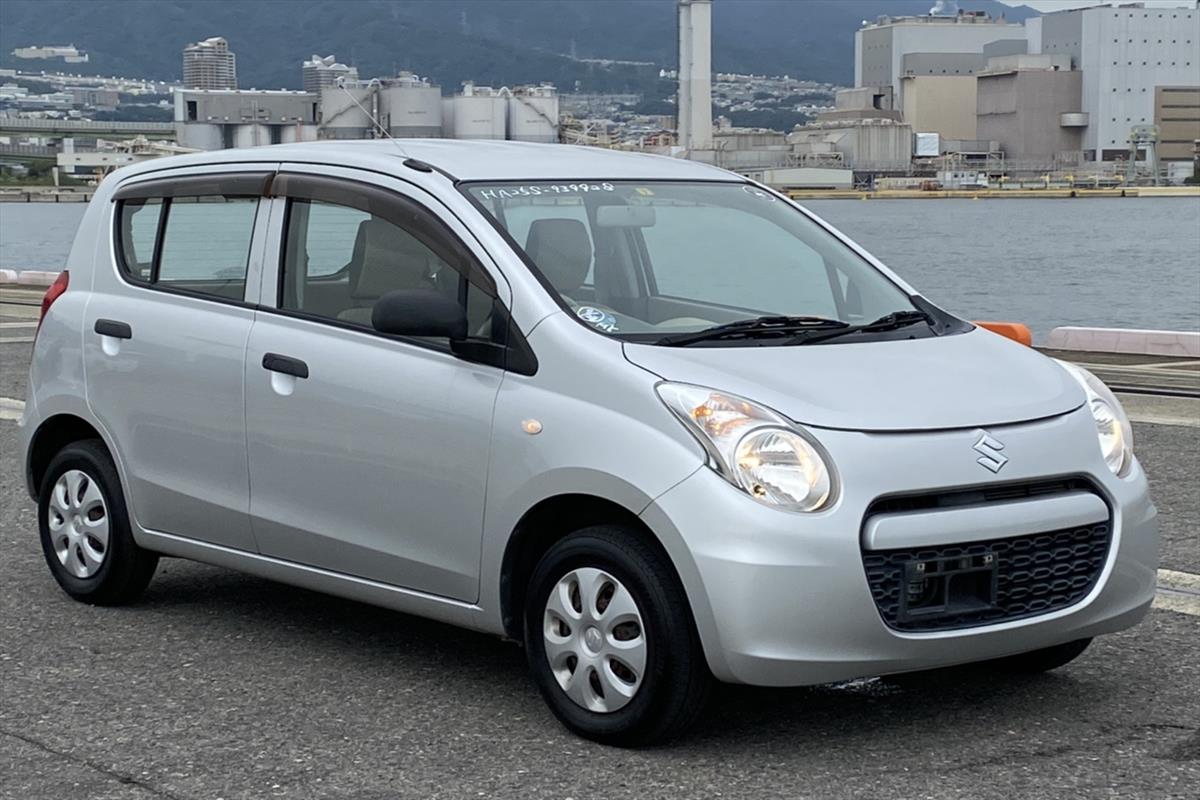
(625, 216)
(419, 312)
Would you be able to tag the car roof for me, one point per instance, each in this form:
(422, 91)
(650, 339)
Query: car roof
(465, 160)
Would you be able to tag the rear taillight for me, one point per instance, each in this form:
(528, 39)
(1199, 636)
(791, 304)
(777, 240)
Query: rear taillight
(53, 293)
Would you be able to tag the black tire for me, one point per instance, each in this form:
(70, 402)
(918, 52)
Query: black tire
(1043, 660)
(676, 680)
(126, 569)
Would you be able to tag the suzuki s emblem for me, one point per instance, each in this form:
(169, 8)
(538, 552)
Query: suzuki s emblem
(989, 449)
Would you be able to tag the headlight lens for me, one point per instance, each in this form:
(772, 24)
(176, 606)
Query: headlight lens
(1112, 426)
(754, 448)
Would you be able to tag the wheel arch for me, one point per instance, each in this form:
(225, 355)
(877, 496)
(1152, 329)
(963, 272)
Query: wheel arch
(52, 435)
(547, 522)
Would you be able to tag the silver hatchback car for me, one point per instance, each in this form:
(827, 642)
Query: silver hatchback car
(656, 422)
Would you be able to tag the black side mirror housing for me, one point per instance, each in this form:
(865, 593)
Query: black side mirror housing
(419, 312)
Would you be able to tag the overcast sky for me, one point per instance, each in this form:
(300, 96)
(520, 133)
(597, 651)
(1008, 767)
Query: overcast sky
(1059, 5)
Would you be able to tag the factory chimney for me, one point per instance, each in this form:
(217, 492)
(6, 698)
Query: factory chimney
(695, 75)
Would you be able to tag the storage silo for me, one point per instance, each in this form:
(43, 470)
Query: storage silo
(344, 118)
(251, 135)
(198, 135)
(533, 114)
(478, 112)
(411, 107)
(299, 132)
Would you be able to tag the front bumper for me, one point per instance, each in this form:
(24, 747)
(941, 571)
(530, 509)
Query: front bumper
(782, 599)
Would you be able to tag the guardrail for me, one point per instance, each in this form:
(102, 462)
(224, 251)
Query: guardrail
(83, 126)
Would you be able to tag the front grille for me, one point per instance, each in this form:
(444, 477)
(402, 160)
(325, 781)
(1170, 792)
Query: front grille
(1035, 574)
(991, 493)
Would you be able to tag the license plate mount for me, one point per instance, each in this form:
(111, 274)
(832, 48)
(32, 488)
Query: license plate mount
(948, 586)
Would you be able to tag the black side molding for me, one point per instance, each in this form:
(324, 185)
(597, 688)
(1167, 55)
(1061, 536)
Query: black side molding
(285, 364)
(113, 328)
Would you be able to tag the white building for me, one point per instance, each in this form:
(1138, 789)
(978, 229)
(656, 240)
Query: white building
(209, 64)
(320, 73)
(1124, 53)
(70, 54)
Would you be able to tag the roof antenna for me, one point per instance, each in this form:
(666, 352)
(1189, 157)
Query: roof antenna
(373, 83)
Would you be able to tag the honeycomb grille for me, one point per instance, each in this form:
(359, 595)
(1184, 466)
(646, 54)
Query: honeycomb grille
(1037, 574)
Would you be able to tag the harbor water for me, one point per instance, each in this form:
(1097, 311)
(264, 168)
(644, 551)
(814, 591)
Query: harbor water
(1123, 263)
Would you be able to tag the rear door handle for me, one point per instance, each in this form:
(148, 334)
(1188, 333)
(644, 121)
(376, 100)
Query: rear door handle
(285, 364)
(114, 328)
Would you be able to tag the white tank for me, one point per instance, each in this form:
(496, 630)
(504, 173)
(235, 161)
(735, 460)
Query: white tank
(200, 135)
(340, 117)
(303, 132)
(251, 135)
(412, 110)
(479, 112)
(533, 114)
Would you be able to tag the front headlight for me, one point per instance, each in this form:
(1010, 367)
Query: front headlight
(754, 448)
(1112, 426)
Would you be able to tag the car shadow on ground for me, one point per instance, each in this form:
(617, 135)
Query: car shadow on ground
(821, 718)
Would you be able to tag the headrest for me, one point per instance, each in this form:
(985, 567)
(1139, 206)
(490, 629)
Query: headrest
(562, 250)
(390, 258)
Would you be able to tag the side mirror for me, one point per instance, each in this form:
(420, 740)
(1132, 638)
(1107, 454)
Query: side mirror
(419, 312)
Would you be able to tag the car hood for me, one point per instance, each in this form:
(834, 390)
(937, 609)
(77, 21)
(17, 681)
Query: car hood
(954, 381)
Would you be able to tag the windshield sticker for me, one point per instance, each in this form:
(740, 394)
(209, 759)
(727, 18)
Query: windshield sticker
(597, 318)
(754, 191)
(543, 190)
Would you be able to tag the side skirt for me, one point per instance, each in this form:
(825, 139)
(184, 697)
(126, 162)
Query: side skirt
(454, 612)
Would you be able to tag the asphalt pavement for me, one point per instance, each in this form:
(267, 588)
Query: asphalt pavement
(221, 685)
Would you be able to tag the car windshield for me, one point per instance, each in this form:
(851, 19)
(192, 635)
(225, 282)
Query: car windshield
(657, 261)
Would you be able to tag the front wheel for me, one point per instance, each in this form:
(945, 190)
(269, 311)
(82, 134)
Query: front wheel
(610, 639)
(85, 531)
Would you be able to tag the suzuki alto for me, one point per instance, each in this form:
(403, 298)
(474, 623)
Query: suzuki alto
(654, 421)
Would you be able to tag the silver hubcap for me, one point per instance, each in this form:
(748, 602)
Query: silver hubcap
(78, 523)
(595, 640)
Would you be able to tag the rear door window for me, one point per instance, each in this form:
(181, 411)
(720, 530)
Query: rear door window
(193, 238)
(206, 245)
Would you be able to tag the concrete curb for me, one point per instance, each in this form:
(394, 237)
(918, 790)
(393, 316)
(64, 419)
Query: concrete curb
(1185, 344)
(28, 277)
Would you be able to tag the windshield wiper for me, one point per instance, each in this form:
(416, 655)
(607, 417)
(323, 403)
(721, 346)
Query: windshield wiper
(754, 328)
(888, 322)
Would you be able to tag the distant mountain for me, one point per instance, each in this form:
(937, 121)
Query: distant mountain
(489, 41)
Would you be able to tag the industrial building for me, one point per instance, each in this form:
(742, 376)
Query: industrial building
(694, 109)
(405, 106)
(214, 119)
(319, 73)
(209, 65)
(1177, 117)
(891, 48)
(1124, 53)
(941, 104)
(1030, 104)
(1064, 88)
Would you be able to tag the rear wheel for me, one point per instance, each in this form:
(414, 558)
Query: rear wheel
(84, 527)
(610, 639)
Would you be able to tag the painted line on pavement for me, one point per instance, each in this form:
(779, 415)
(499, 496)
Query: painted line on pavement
(10, 408)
